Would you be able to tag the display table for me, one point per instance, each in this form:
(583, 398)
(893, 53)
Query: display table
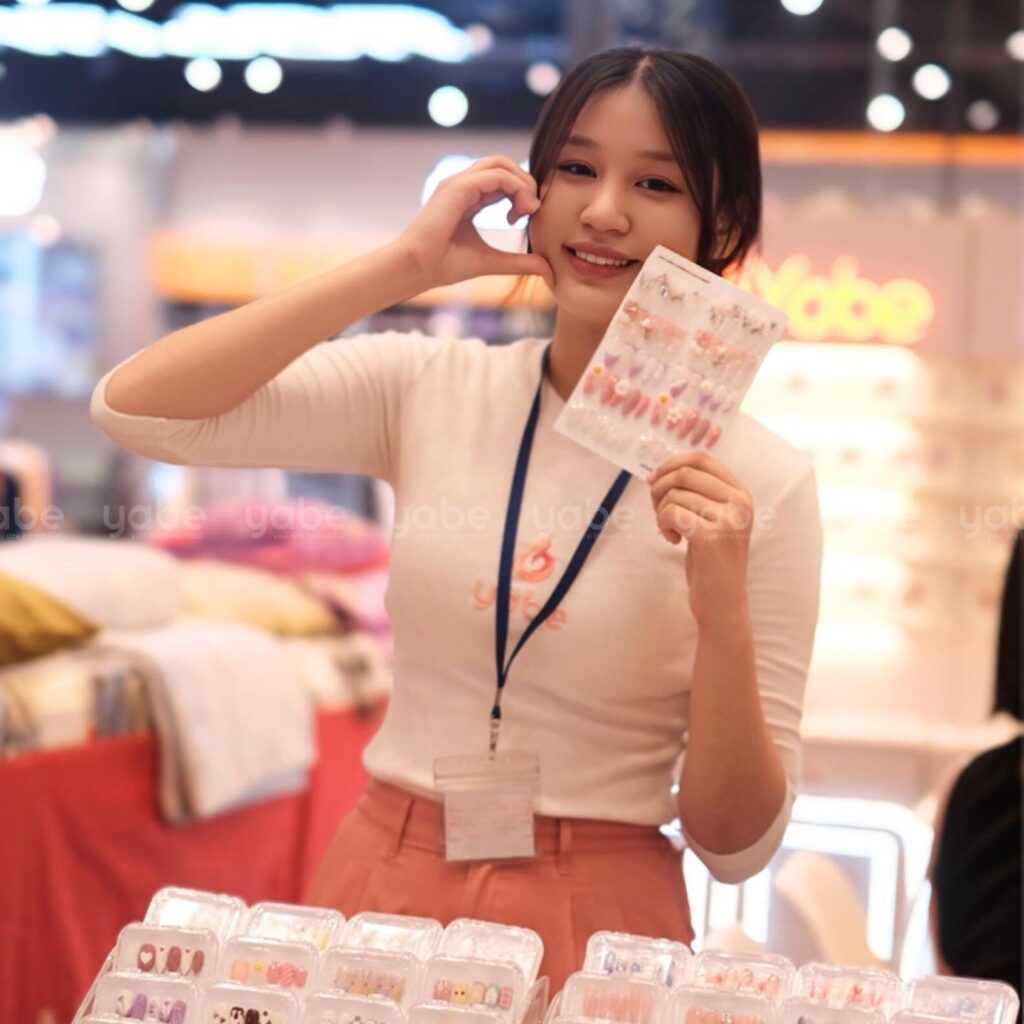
(83, 848)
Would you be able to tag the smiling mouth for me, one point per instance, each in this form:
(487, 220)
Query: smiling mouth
(598, 261)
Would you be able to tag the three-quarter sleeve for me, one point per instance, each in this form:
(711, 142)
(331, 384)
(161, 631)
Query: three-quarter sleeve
(783, 591)
(336, 408)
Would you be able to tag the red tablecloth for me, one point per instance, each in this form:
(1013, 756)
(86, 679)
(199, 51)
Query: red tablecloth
(83, 848)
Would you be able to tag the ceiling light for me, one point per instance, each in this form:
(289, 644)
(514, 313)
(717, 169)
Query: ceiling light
(135, 6)
(203, 74)
(983, 115)
(480, 36)
(22, 176)
(448, 106)
(542, 77)
(894, 43)
(885, 113)
(802, 6)
(263, 74)
(931, 81)
(1015, 44)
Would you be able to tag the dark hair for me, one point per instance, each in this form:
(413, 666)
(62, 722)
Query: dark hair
(709, 123)
(1009, 658)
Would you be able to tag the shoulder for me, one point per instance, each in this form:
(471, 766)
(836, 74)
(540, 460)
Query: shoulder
(770, 467)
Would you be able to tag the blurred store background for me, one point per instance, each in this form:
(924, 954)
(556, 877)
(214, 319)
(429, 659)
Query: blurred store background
(160, 163)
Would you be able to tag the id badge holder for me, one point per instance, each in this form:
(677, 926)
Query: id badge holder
(488, 804)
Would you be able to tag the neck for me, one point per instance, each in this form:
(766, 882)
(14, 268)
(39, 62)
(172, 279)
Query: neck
(572, 347)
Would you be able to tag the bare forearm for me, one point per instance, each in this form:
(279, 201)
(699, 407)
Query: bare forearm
(208, 368)
(733, 782)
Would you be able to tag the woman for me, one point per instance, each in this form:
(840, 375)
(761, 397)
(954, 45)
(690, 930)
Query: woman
(690, 624)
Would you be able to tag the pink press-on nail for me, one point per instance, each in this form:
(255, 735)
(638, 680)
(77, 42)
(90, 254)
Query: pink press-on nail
(629, 403)
(676, 389)
(608, 390)
(720, 395)
(658, 408)
(592, 379)
(700, 430)
(688, 422)
(610, 359)
(713, 435)
(707, 388)
(642, 405)
(618, 393)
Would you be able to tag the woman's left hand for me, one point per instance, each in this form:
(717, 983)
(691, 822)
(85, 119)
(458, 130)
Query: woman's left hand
(696, 497)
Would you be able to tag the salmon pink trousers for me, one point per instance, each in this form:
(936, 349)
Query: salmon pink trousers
(387, 855)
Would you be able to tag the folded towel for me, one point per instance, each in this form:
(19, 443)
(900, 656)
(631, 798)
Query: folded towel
(234, 721)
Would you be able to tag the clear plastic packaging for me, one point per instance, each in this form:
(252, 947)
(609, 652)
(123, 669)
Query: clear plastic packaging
(290, 922)
(760, 974)
(194, 909)
(435, 1013)
(335, 1008)
(393, 933)
(144, 997)
(694, 1004)
(637, 957)
(265, 962)
(167, 951)
(962, 999)
(477, 984)
(808, 1011)
(840, 987)
(367, 972)
(608, 997)
(227, 1003)
(484, 940)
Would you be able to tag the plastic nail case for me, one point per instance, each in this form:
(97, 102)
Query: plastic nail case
(477, 984)
(636, 956)
(694, 1005)
(167, 952)
(133, 996)
(331, 1008)
(807, 1011)
(482, 940)
(393, 933)
(604, 997)
(366, 972)
(226, 1003)
(763, 975)
(673, 366)
(193, 909)
(267, 962)
(965, 999)
(290, 922)
(435, 1013)
(839, 987)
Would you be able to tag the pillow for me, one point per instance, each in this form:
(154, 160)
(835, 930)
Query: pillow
(34, 623)
(219, 590)
(111, 582)
(286, 537)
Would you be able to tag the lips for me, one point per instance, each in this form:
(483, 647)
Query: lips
(584, 268)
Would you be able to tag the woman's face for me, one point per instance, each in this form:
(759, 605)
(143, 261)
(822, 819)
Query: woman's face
(615, 185)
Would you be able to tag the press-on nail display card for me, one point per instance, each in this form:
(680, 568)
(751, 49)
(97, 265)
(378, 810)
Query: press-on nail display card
(673, 367)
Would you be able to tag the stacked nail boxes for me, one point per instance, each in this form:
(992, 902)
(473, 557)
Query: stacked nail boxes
(634, 980)
(673, 367)
(203, 957)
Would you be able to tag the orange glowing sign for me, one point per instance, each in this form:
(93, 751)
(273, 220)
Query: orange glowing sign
(844, 305)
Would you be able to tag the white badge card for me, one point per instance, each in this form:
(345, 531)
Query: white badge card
(488, 804)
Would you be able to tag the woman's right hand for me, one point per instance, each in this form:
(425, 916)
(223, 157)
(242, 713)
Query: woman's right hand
(442, 240)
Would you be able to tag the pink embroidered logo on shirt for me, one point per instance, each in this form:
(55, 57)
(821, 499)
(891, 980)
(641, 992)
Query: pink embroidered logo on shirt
(533, 563)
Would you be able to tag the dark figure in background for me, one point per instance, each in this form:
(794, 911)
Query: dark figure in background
(10, 492)
(976, 870)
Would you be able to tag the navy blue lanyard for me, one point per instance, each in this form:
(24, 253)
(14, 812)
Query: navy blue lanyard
(515, 502)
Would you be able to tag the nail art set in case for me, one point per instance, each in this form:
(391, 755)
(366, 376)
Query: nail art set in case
(637, 957)
(673, 367)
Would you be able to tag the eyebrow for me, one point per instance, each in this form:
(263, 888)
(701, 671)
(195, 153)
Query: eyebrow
(647, 154)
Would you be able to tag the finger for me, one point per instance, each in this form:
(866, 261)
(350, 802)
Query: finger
(675, 523)
(500, 160)
(524, 198)
(700, 460)
(709, 510)
(696, 480)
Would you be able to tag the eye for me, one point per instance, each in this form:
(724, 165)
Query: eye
(662, 185)
(570, 166)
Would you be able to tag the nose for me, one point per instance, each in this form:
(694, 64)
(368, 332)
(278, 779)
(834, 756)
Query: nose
(605, 209)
